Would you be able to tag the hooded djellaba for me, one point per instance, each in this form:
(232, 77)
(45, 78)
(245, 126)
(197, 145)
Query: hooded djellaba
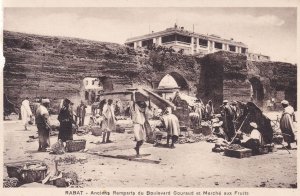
(66, 120)
(252, 113)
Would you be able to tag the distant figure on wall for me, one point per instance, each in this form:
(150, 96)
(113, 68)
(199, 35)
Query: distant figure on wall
(26, 112)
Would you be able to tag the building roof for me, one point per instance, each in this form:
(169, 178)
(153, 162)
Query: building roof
(180, 31)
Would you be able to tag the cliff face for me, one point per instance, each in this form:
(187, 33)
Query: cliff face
(55, 67)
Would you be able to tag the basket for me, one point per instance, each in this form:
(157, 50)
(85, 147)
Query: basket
(75, 145)
(278, 139)
(241, 153)
(120, 129)
(206, 130)
(181, 139)
(96, 131)
(26, 174)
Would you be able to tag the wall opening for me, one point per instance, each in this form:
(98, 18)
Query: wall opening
(92, 87)
(257, 91)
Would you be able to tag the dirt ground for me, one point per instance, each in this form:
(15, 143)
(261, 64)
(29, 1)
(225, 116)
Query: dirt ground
(188, 165)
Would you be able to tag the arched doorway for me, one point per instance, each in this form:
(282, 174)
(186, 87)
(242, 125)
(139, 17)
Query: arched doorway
(174, 80)
(257, 91)
(291, 94)
(172, 83)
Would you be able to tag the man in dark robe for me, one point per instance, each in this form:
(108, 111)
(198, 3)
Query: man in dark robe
(43, 125)
(252, 113)
(228, 116)
(81, 110)
(66, 121)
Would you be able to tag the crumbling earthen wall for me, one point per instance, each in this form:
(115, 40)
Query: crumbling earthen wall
(55, 67)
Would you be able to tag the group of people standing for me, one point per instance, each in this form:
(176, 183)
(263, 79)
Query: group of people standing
(140, 113)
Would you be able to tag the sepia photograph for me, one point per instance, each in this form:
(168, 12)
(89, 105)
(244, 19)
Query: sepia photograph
(179, 97)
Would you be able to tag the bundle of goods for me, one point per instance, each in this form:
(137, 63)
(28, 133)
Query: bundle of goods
(60, 179)
(27, 171)
(205, 123)
(182, 139)
(183, 129)
(96, 130)
(83, 130)
(75, 145)
(212, 139)
(235, 147)
(67, 179)
(205, 129)
(237, 151)
(10, 182)
(57, 148)
(190, 140)
(220, 145)
(277, 138)
(197, 138)
(71, 159)
(121, 118)
(271, 147)
(263, 150)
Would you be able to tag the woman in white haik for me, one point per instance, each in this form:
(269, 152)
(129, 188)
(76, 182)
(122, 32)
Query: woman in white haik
(25, 112)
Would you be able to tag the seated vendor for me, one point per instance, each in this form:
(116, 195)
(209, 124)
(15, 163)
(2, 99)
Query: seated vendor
(254, 140)
(218, 130)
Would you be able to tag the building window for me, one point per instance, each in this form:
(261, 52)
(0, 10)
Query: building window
(243, 50)
(168, 38)
(203, 42)
(183, 38)
(218, 45)
(232, 48)
(148, 42)
(130, 44)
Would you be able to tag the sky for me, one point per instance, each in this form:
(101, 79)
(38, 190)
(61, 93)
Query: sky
(269, 31)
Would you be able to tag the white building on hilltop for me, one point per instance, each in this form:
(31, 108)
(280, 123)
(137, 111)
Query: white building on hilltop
(192, 43)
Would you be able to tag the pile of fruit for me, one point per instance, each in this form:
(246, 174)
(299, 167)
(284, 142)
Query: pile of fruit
(71, 159)
(10, 182)
(35, 166)
(235, 147)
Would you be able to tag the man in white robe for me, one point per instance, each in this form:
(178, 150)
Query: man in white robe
(286, 123)
(109, 122)
(26, 112)
(138, 116)
(172, 127)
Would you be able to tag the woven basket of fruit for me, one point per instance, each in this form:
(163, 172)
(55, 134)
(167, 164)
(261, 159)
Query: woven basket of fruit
(75, 145)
